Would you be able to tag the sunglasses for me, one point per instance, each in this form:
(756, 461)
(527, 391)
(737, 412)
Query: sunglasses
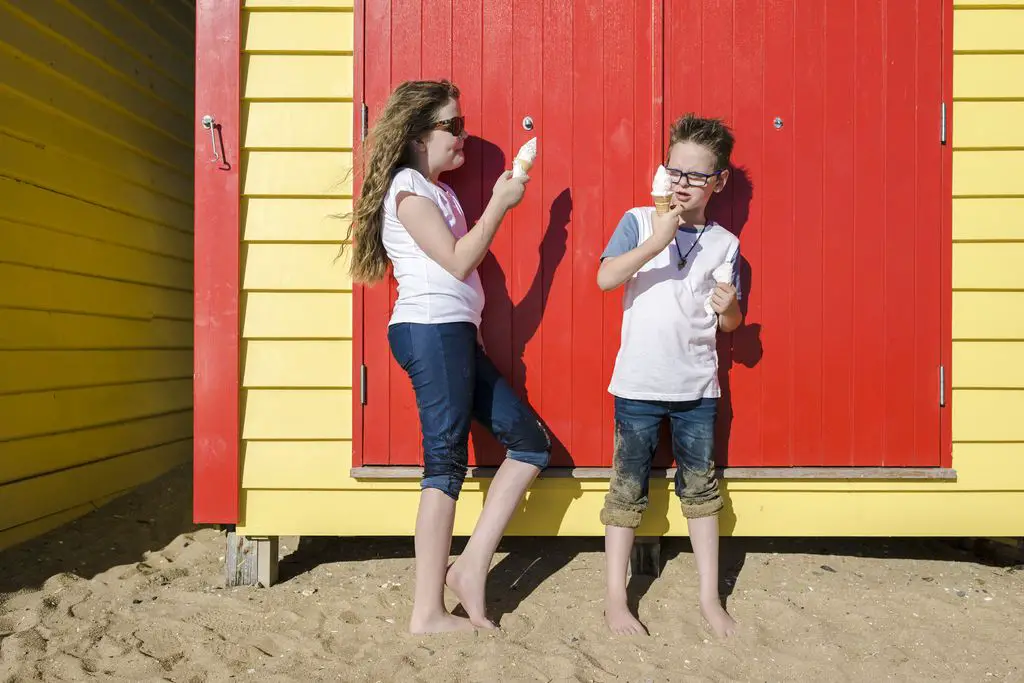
(455, 125)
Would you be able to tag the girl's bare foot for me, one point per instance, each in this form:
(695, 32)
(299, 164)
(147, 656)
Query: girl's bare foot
(722, 625)
(469, 586)
(438, 623)
(620, 620)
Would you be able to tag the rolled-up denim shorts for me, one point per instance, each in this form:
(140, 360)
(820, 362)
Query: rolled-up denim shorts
(636, 439)
(455, 382)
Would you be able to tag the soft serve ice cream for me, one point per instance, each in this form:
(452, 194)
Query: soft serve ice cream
(661, 190)
(523, 162)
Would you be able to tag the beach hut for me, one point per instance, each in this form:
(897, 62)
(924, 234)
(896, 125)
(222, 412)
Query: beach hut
(877, 386)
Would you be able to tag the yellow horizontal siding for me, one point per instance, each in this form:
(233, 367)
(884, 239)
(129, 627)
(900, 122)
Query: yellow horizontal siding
(96, 253)
(297, 439)
(298, 32)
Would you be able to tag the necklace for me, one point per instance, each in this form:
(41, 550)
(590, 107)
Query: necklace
(684, 258)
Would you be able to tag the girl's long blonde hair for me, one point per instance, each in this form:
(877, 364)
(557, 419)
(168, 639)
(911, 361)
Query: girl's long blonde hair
(410, 112)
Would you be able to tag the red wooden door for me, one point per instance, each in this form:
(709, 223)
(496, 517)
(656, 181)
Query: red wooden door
(589, 75)
(839, 202)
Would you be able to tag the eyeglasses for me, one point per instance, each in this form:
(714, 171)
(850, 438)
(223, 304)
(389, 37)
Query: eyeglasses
(455, 125)
(693, 178)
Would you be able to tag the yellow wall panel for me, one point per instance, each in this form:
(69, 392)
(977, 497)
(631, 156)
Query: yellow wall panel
(986, 265)
(297, 125)
(297, 363)
(297, 4)
(988, 415)
(310, 267)
(42, 329)
(988, 30)
(988, 124)
(1001, 218)
(972, 4)
(988, 76)
(297, 77)
(295, 315)
(36, 370)
(988, 315)
(298, 32)
(977, 173)
(51, 453)
(296, 414)
(317, 464)
(320, 174)
(272, 219)
(988, 365)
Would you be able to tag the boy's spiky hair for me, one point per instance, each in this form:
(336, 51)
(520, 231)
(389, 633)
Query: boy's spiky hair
(711, 133)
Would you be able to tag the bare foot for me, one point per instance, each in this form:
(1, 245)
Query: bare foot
(438, 623)
(469, 586)
(620, 620)
(722, 625)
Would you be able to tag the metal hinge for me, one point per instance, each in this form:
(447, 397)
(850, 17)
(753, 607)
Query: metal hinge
(942, 386)
(365, 121)
(362, 385)
(942, 132)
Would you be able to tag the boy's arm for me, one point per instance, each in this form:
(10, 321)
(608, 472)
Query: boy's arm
(624, 256)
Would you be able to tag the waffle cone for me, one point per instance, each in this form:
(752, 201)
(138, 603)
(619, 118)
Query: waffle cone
(521, 167)
(662, 203)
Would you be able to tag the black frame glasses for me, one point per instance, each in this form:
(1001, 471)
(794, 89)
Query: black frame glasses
(693, 178)
(455, 125)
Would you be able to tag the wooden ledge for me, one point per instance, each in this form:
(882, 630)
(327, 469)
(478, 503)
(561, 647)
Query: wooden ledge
(731, 473)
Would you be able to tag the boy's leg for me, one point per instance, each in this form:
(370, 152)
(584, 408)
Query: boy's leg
(693, 445)
(497, 407)
(439, 362)
(636, 439)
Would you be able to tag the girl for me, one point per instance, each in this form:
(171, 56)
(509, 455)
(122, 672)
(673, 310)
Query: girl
(405, 215)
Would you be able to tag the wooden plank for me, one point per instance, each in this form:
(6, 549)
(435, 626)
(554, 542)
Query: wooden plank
(988, 76)
(310, 174)
(303, 125)
(251, 561)
(42, 248)
(989, 31)
(27, 329)
(988, 124)
(26, 287)
(23, 532)
(33, 456)
(981, 4)
(305, 363)
(32, 499)
(51, 168)
(988, 219)
(987, 173)
(980, 265)
(296, 414)
(326, 465)
(291, 315)
(26, 371)
(984, 415)
(310, 267)
(298, 32)
(988, 365)
(988, 315)
(27, 415)
(44, 125)
(321, 77)
(39, 206)
(298, 4)
(271, 219)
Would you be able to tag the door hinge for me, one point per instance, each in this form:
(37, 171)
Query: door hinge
(942, 131)
(942, 386)
(364, 121)
(362, 385)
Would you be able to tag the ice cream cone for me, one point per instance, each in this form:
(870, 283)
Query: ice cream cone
(662, 203)
(521, 167)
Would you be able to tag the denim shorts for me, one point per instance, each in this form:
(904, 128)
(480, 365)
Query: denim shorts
(636, 439)
(455, 382)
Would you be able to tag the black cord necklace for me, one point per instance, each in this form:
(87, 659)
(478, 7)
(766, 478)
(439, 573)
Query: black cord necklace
(684, 258)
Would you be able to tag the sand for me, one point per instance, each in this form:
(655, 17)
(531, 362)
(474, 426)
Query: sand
(134, 592)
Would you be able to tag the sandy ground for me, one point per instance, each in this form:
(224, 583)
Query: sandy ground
(134, 592)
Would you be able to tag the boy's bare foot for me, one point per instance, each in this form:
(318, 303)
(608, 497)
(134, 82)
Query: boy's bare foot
(722, 625)
(621, 621)
(438, 623)
(469, 586)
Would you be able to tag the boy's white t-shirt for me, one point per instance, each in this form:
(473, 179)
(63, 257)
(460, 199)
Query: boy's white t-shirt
(668, 345)
(427, 293)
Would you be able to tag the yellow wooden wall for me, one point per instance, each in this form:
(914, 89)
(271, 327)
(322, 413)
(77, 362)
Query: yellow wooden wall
(96, 109)
(297, 319)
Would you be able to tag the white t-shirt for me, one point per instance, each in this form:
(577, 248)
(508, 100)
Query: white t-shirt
(668, 346)
(427, 293)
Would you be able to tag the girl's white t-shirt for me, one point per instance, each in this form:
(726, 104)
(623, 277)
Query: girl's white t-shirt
(427, 293)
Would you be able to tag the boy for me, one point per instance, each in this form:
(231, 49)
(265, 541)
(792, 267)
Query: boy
(667, 365)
